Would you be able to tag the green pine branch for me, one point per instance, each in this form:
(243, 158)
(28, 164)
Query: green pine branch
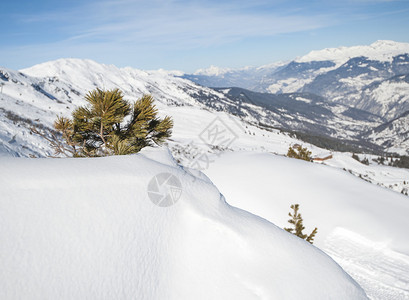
(297, 222)
(99, 129)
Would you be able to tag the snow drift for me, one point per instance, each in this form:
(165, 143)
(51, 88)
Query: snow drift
(361, 225)
(86, 229)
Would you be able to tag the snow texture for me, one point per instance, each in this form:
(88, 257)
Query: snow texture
(86, 229)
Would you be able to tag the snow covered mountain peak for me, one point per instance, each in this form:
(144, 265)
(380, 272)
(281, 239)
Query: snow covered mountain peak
(382, 50)
(84, 75)
(382, 44)
(212, 71)
(61, 66)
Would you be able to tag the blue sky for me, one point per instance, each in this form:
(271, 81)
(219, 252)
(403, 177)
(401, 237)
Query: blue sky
(187, 35)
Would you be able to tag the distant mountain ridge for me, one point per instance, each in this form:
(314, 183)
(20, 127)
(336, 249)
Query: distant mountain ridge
(346, 75)
(381, 50)
(247, 77)
(300, 111)
(347, 83)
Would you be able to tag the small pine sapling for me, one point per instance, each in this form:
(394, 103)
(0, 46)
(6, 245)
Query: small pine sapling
(297, 221)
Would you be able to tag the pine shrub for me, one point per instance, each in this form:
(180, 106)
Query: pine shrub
(109, 125)
(301, 153)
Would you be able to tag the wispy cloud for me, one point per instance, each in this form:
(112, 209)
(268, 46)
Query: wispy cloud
(173, 23)
(163, 32)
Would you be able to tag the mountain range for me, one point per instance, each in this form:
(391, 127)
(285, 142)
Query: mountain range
(355, 95)
(373, 78)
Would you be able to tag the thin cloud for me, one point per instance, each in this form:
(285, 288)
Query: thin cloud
(173, 23)
(164, 32)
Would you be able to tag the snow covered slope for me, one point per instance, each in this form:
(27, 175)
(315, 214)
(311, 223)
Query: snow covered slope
(87, 229)
(362, 226)
(394, 135)
(389, 98)
(302, 112)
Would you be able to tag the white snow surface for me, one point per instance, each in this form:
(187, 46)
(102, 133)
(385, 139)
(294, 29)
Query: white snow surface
(86, 229)
(382, 50)
(362, 226)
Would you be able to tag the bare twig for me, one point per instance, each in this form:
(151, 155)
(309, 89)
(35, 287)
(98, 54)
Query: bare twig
(57, 145)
